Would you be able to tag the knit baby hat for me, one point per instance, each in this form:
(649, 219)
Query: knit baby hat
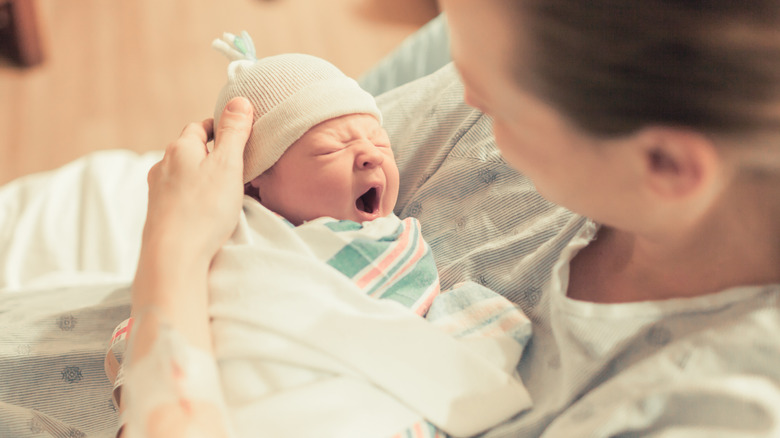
(290, 94)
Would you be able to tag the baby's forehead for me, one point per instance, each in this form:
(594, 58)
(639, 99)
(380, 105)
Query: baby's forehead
(350, 124)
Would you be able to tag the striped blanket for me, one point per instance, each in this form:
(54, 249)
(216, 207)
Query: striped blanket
(386, 258)
(314, 335)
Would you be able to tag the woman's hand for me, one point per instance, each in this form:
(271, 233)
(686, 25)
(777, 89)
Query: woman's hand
(194, 204)
(195, 195)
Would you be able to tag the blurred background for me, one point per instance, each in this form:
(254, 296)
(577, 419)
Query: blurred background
(131, 73)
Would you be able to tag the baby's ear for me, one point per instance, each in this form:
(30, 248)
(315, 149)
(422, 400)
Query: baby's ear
(254, 183)
(251, 190)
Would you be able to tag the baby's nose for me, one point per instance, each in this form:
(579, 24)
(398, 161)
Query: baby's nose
(368, 156)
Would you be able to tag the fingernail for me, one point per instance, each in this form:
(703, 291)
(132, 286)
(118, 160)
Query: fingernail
(239, 105)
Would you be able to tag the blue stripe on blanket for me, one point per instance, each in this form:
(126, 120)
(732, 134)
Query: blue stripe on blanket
(408, 289)
(343, 225)
(361, 252)
(356, 256)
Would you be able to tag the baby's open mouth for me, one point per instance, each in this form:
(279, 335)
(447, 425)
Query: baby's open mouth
(368, 202)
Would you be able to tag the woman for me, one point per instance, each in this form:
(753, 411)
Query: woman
(657, 121)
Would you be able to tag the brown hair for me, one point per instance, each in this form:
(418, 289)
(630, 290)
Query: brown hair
(614, 66)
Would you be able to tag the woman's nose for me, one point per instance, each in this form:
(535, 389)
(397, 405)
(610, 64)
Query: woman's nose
(368, 156)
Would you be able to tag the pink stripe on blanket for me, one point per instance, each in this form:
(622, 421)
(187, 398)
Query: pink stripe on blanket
(382, 265)
(422, 305)
(411, 263)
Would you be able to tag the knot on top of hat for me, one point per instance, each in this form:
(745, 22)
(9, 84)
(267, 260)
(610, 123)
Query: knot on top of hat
(290, 94)
(236, 47)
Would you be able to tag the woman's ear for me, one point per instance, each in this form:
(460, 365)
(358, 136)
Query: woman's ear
(678, 163)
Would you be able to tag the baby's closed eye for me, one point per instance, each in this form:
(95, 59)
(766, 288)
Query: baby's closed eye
(329, 147)
(330, 151)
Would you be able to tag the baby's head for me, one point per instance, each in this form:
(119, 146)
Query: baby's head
(317, 146)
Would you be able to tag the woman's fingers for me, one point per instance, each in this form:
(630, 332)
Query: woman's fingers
(198, 194)
(233, 130)
(208, 126)
(198, 131)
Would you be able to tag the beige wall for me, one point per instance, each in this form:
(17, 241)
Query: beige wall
(131, 73)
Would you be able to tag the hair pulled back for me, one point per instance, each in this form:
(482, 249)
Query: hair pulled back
(614, 66)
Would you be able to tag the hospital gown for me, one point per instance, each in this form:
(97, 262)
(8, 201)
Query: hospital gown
(700, 367)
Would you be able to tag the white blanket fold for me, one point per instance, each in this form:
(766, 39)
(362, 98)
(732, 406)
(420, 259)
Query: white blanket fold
(290, 330)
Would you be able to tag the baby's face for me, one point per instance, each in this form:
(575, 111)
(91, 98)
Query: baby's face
(343, 168)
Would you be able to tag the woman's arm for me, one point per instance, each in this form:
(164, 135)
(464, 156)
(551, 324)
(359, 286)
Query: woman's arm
(194, 204)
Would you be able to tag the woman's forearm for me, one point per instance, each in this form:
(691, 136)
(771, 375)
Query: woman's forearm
(171, 346)
(173, 286)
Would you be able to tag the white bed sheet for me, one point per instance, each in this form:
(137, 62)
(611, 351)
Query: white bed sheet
(78, 224)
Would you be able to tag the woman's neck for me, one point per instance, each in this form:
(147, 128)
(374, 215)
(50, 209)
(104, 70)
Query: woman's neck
(739, 244)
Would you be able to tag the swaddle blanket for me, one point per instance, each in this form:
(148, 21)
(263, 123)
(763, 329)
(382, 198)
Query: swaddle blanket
(305, 348)
(304, 352)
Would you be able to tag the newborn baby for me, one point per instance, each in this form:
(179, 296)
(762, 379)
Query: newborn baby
(316, 300)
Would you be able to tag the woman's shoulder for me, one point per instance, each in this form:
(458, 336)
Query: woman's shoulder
(641, 368)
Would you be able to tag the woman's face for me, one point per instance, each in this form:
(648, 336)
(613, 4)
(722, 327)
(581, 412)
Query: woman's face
(592, 177)
(342, 168)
